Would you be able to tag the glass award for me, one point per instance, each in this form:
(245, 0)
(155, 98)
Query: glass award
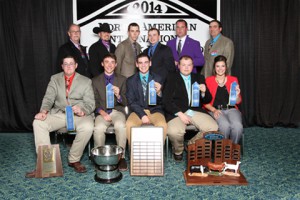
(110, 98)
(195, 95)
(152, 93)
(232, 95)
(70, 118)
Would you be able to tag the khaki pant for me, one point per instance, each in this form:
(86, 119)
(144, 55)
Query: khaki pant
(157, 119)
(53, 122)
(176, 129)
(118, 120)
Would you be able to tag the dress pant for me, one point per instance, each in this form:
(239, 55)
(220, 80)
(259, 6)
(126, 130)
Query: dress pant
(230, 124)
(84, 130)
(157, 119)
(118, 120)
(176, 129)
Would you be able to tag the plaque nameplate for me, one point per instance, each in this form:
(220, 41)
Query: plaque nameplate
(49, 161)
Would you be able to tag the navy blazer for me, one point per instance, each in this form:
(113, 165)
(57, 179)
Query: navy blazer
(135, 96)
(175, 97)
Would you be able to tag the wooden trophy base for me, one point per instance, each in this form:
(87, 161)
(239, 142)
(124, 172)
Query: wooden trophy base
(214, 180)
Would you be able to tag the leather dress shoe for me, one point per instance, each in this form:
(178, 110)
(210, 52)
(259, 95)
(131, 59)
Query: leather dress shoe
(178, 158)
(123, 165)
(30, 174)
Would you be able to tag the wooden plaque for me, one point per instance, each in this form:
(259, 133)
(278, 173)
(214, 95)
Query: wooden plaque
(48, 161)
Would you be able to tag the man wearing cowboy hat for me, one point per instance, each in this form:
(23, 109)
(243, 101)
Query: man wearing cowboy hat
(100, 48)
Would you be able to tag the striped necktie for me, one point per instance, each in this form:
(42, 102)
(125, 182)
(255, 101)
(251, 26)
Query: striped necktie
(144, 85)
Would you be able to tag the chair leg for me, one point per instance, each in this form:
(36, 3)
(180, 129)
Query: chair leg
(167, 148)
(55, 138)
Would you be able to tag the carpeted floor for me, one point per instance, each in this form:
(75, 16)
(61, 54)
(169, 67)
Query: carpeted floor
(270, 163)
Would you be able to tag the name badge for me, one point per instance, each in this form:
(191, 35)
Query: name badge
(195, 95)
(152, 93)
(70, 118)
(110, 98)
(232, 95)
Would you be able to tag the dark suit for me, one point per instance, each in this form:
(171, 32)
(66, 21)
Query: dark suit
(96, 53)
(70, 49)
(117, 115)
(175, 99)
(135, 96)
(140, 108)
(100, 91)
(162, 61)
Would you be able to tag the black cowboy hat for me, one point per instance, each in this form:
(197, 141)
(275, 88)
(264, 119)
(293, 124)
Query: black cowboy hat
(103, 28)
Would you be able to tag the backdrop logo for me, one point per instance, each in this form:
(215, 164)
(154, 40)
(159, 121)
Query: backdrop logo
(159, 14)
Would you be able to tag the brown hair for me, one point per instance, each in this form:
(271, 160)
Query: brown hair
(219, 59)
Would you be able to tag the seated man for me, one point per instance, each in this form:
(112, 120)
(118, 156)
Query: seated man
(137, 97)
(177, 104)
(107, 116)
(66, 88)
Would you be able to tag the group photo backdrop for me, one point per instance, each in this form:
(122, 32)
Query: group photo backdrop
(265, 35)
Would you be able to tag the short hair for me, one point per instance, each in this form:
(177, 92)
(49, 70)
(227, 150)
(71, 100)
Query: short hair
(72, 25)
(141, 55)
(132, 24)
(110, 55)
(182, 20)
(68, 56)
(218, 22)
(154, 29)
(220, 58)
(186, 57)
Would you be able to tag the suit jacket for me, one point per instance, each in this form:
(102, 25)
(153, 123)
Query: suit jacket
(70, 49)
(135, 96)
(175, 97)
(126, 58)
(191, 48)
(213, 86)
(100, 92)
(81, 94)
(223, 46)
(162, 61)
(97, 52)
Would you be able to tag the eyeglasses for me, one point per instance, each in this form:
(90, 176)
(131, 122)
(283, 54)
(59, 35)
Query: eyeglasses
(75, 31)
(68, 64)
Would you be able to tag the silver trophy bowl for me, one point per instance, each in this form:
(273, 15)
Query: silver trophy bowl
(106, 159)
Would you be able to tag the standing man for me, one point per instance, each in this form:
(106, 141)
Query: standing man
(183, 45)
(162, 61)
(73, 47)
(100, 48)
(66, 88)
(177, 101)
(217, 45)
(107, 116)
(137, 97)
(127, 52)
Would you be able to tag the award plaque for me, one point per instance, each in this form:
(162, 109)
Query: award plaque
(48, 162)
(109, 96)
(232, 95)
(152, 93)
(70, 118)
(195, 95)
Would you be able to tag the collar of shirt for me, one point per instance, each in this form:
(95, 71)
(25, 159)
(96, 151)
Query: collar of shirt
(214, 40)
(76, 45)
(142, 75)
(70, 79)
(152, 47)
(182, 40)
(107, 78)
(186, 78)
